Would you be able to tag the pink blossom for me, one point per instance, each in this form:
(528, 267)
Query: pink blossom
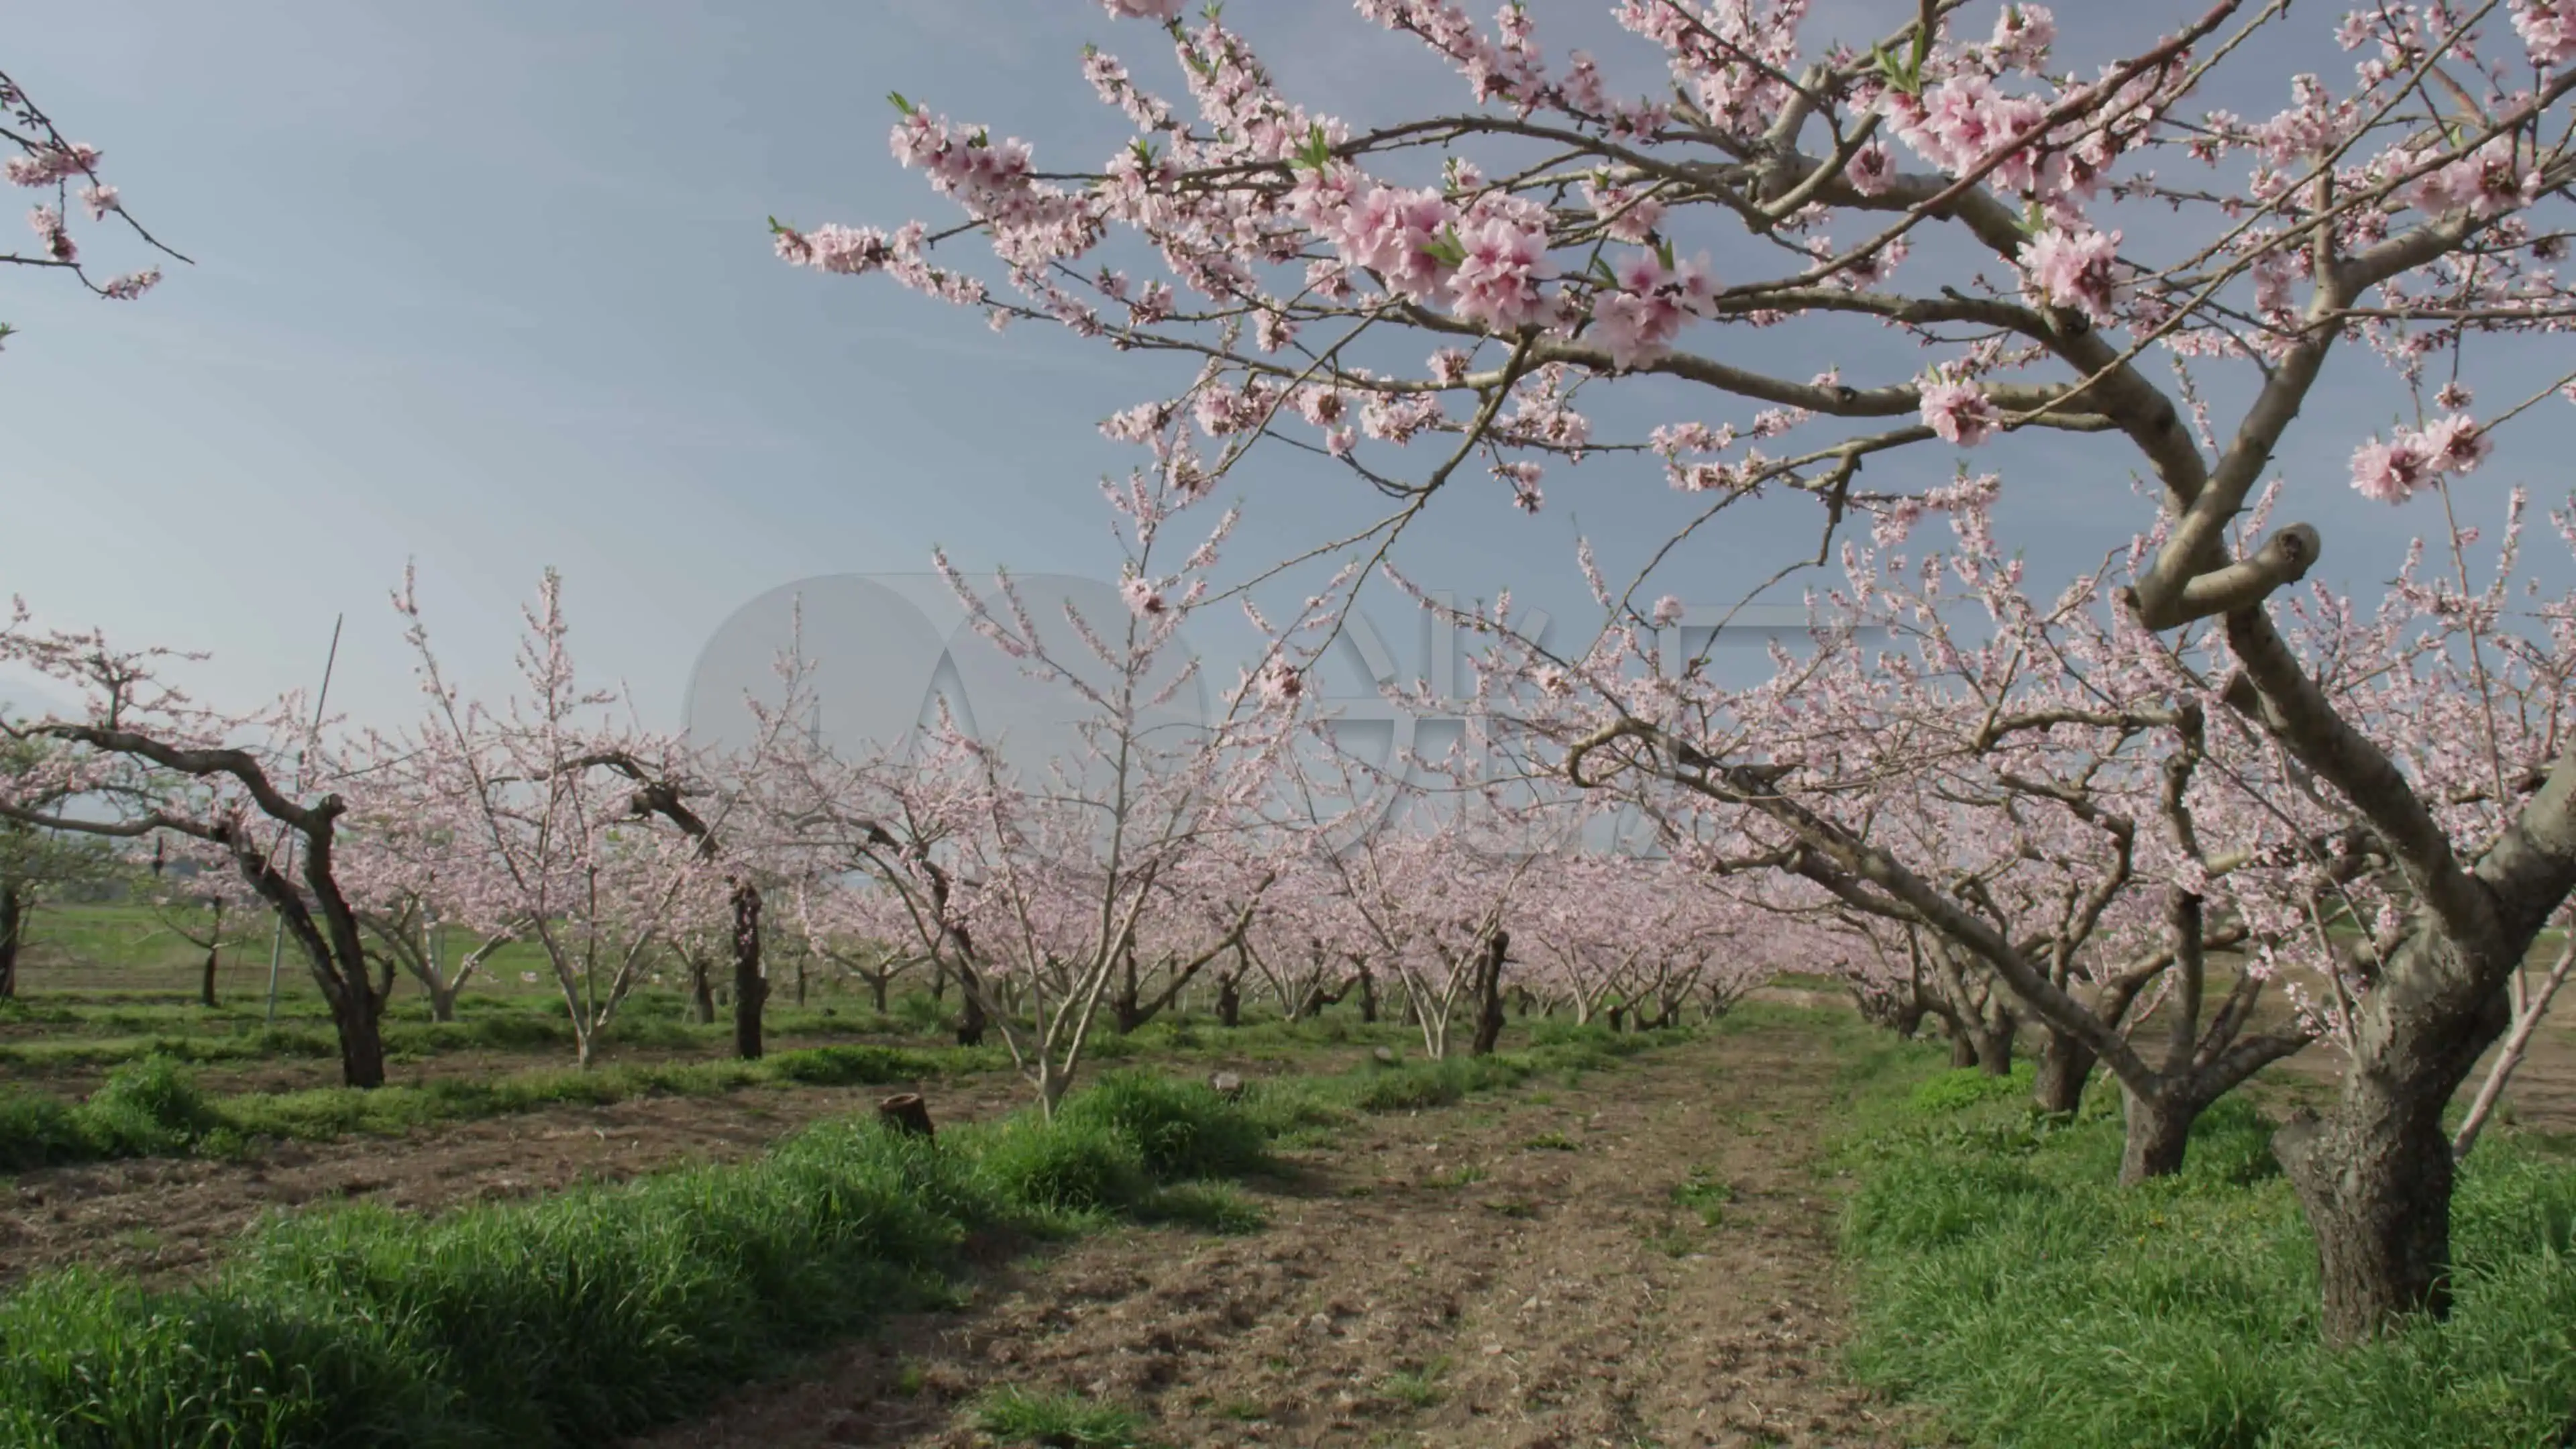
(1143, 600)
(1958, 412)
(1523, 476)
(49, 164)
(49, 230)
(2022, 36)
(2073, 268)
(2453, 443)
(1155, 10)
(1668, 611)
(100, 200)
(1391, 232)
(1872, 169)
(131, 285)
(2547, 28)
(2390, 472)
(1497, 284)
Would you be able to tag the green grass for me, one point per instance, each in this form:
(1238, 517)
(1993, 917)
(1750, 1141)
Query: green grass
(1416, 1388)
(1703, 1195)
(2008, 1282)
(1057, 1421)
(175, 1117)
(589, 1315)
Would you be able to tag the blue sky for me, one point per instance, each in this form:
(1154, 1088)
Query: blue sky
(487, 286)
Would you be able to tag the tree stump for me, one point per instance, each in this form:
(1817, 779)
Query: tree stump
(1227, 1085)
(906, 1114)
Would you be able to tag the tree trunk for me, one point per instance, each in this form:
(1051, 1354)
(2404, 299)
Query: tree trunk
(362, 1042)
(1489, 995)
(2158, 1131)
(1368, 996)
(970, 1020)
(1963, 1047)
(2065, 1064)
(1229, 1002)
(1994, 1033)
(2378, 1196)
(750, 986)
(13, 934)
(877, 989)
(206, 983)
(702, 992)
(442, 1001)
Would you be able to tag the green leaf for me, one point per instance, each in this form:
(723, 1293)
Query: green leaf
(900, 103)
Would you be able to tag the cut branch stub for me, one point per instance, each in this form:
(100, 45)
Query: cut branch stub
(2284, 559)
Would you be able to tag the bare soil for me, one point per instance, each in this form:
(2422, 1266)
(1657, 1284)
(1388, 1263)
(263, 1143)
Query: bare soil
(1514, 1273)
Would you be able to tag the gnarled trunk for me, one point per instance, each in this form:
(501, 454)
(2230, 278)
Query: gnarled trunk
(214, 959)
(1229, 1001)
(2375, 1172)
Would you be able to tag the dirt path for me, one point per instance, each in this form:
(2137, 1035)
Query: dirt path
(1516, 1273)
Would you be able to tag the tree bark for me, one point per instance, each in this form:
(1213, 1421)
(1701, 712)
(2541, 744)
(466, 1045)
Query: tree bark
(1229, 1001)
(206, 985)
(2065, 1064)
(971, 1021)
(750, 985)
(1368, 996)
(2158, 1131)
(1489, 995)
(2375, 1173)
(13, 933)
(702, 992)
(362, 1042)
(1963, 1046)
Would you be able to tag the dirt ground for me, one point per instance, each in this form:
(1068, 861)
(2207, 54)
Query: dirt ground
(165, 1218)
(1514, 1273)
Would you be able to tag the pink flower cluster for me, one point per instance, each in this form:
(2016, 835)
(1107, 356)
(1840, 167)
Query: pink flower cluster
(2390, 472)
(1957, 411)
(2547, 28)
(2488, 182)
(47, 165)
(1637, 322)
(2073, 268)
(48, 224)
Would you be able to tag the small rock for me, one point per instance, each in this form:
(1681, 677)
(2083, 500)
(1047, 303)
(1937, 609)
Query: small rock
(1384, 1055)
(1227, 1085)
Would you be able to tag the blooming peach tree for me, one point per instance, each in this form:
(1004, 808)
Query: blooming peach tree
(2110, 255)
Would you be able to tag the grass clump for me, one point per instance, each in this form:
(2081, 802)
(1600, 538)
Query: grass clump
(1057, 1421)
(582, 1317)
(145, 1107)
(1183, 1129)
(2009, 1282)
